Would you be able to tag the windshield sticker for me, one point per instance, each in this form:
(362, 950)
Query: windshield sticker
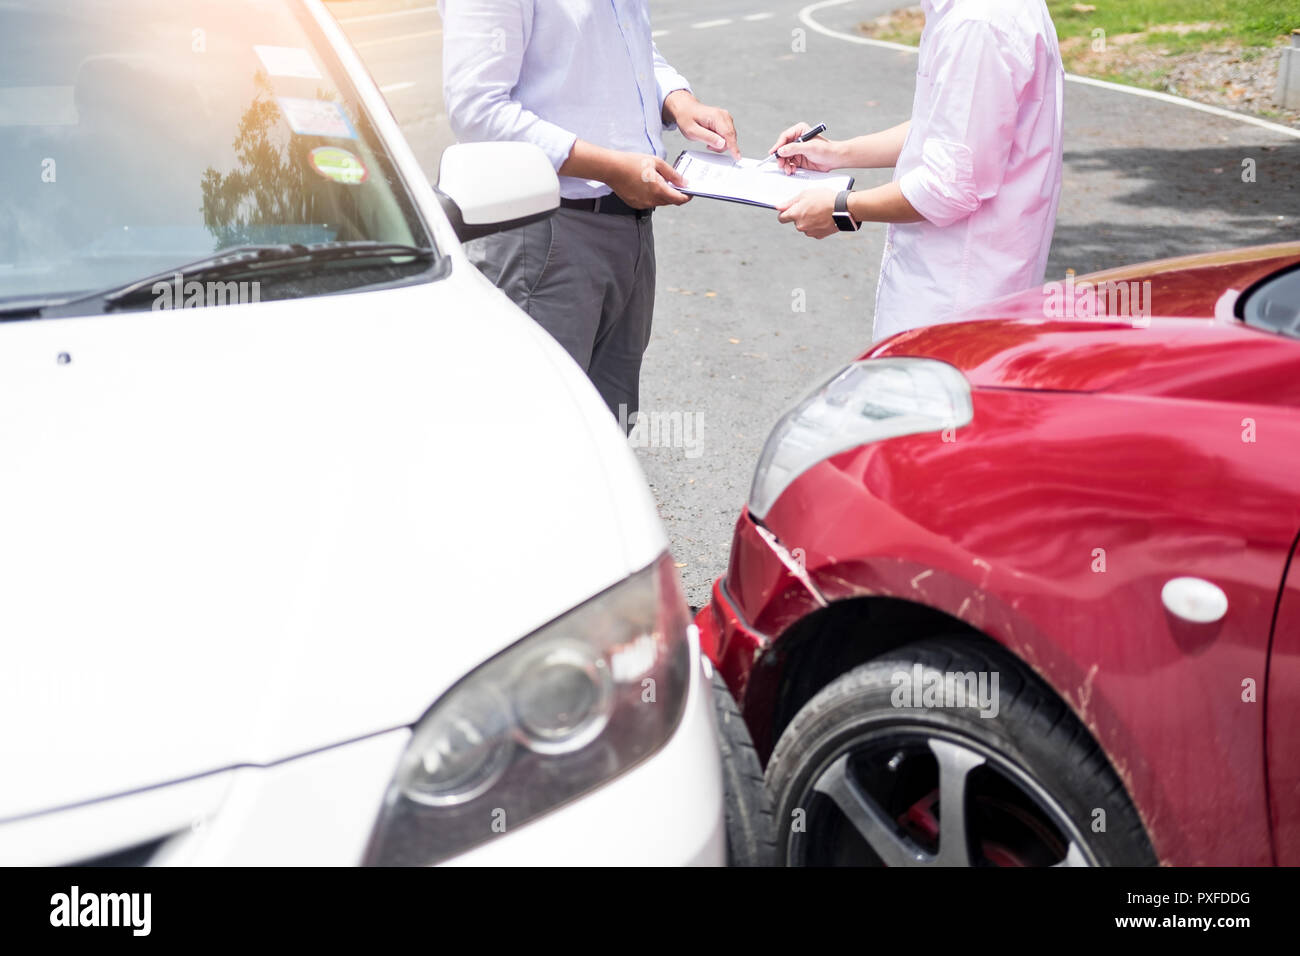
(339, 166)
(316, 117)
(288, 61)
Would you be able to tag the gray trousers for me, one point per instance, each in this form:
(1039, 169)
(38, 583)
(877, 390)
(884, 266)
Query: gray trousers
(589, 279)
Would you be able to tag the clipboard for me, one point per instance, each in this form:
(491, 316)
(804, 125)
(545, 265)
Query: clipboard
(714, 176)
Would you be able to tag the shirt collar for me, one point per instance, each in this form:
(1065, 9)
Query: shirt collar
(934, 9)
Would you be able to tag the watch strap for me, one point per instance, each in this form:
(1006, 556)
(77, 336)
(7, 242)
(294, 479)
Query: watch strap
(843, 218)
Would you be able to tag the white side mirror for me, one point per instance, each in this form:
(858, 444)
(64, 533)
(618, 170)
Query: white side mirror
(490, 187)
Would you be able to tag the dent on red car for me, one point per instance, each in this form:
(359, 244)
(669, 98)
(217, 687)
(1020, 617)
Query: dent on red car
(1102, 461)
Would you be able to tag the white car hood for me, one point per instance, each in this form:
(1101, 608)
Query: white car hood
(230, 536)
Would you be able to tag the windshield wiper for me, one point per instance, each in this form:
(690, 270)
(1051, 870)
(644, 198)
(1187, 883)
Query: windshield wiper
(238, 261)
(25, 308)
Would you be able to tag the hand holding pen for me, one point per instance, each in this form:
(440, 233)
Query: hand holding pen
(803, 147)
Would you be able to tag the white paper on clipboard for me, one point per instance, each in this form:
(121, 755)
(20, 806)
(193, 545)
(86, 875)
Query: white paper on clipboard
(746, 181)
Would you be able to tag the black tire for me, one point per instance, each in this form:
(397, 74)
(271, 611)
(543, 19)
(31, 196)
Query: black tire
(856, 776)
(750, 835)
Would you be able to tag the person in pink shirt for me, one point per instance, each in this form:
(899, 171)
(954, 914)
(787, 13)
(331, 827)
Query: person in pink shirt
(977, 169)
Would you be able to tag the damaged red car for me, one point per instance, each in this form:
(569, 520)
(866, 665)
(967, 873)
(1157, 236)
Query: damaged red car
(1021, 590)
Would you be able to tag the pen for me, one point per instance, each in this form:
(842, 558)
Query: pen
(811, 134)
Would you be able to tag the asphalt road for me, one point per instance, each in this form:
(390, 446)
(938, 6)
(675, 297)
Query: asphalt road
(1143, 180)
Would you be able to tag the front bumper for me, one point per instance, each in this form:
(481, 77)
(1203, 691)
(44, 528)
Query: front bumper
(765, 591)
(319, 810)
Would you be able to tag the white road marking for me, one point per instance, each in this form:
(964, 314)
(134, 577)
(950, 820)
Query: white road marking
(1190, 104)
(806, 17)
(754, 17)
(394, 87)
(405, 36)
(656, 34)
(705, 24)
(386, 16)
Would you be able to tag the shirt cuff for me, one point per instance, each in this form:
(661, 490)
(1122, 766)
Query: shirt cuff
(555, 142)
(670, 81)
(942, 187)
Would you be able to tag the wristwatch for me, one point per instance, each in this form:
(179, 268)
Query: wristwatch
(842, 217)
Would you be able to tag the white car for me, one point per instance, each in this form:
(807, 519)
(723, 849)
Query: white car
(348, 564)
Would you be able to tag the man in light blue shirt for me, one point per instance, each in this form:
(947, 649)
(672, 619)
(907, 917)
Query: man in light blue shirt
(582, 80)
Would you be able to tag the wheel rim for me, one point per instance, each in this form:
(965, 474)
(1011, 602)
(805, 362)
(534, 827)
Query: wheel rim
(880, 799)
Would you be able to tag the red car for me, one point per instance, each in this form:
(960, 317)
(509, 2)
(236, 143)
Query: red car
(1021, 590)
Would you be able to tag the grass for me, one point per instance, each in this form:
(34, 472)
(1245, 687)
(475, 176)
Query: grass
(1158, 44)
(1145, 39)
(1150, 79)
(1247, 22)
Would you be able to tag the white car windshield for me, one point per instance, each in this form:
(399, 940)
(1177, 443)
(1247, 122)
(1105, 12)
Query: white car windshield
(140, 135)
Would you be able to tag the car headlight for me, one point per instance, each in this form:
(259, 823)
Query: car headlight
(561, 712)
(869, 400)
